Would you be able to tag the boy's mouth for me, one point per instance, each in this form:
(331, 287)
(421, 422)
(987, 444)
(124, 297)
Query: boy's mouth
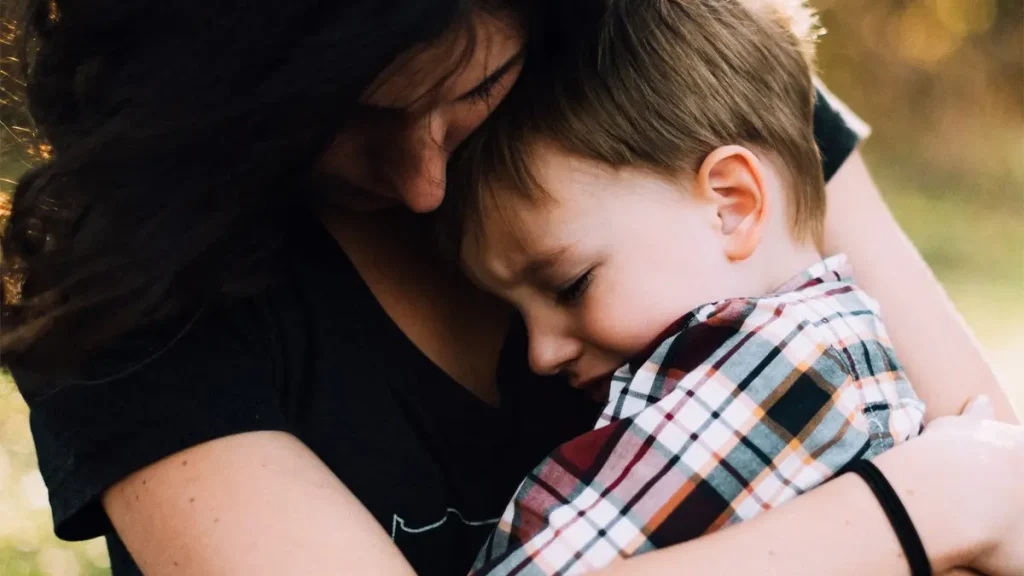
(596, 388)
(590, 373)
(595, 385)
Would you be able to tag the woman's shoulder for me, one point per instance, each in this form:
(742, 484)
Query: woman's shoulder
(837, 130)
(228, 368)
(214, 339)
(153, 393)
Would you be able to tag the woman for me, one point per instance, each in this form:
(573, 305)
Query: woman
(243, 356)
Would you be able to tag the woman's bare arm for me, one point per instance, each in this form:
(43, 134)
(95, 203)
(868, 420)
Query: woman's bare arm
(257, 503)
(941, 356)
(840, 529)
(262, 503)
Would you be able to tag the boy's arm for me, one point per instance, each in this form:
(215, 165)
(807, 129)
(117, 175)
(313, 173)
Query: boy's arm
(941, 356)
(769, 413)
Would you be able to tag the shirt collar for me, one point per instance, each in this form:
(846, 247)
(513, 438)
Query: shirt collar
(832, 269)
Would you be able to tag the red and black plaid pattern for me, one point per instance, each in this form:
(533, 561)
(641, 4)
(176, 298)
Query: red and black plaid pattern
(752, 402)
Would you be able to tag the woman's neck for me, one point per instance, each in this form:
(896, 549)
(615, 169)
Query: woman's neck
(455, 325)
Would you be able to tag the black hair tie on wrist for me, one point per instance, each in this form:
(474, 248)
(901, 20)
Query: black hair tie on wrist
(909, 539)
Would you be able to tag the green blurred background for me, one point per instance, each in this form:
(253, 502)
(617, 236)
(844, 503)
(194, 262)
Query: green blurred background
(940, 81)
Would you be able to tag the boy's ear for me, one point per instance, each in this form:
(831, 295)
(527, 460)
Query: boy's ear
(732, 178)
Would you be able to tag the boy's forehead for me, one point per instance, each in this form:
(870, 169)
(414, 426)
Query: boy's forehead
(515, 229)
(499, 241)
(560, 172)
(519, 242)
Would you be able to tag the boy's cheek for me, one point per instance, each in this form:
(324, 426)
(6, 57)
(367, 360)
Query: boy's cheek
(626, 321)
(624, 330)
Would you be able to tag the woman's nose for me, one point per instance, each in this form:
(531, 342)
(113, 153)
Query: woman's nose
(421, 179)
(551, 353)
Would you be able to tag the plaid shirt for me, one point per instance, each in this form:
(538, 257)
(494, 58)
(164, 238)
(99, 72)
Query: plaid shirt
(751, 402)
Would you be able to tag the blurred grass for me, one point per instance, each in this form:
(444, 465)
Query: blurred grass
(27, 544)
(942, 84)
(978, 255)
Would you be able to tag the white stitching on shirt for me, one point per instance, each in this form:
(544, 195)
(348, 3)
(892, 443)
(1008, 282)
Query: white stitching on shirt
(398, 522)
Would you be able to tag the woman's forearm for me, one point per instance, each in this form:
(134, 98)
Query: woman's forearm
(943, 359)
(837, 529)
(260, 503)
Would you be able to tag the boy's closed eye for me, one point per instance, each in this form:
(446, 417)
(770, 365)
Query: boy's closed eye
(572, 293)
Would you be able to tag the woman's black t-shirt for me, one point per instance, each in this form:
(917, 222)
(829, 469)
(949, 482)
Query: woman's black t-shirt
(318, 357)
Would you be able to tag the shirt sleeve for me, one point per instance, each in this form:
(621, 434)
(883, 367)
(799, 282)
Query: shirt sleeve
(150, 396)
(745, 409)
(837, 130)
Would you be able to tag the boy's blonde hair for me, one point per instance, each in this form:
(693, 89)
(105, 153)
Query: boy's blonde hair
(656, 84)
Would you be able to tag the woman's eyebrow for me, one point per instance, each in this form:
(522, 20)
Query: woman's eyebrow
(493, 77)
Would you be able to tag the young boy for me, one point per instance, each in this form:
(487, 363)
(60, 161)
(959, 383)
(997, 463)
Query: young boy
(618, 192)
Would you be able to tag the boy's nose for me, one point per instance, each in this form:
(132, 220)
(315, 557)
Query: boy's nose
(551, 353)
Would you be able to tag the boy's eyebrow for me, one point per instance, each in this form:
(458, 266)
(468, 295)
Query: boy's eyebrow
(541, 263)
(493, 77)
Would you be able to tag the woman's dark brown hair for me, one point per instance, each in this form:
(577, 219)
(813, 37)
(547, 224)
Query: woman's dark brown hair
(180, 132)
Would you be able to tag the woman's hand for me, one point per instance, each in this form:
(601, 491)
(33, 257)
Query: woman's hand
(999, 449)
(961, 484)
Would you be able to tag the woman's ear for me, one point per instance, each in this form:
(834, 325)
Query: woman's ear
(732, 178)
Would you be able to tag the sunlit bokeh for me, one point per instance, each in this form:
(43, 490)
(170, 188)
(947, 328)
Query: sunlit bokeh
(941, 82)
